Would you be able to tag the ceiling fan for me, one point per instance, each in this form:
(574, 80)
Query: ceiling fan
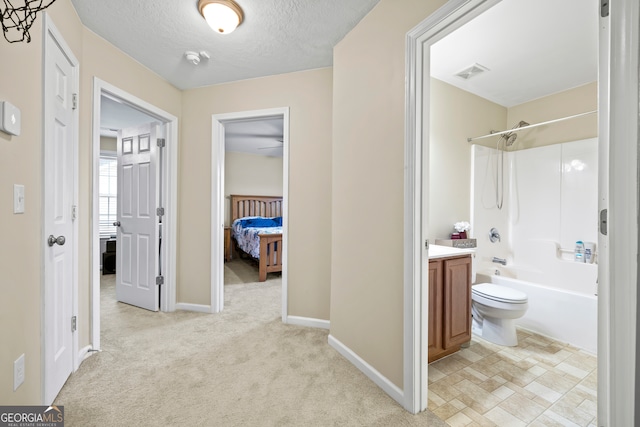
(280, 140)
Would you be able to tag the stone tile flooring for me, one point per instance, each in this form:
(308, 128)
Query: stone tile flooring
(540, 383)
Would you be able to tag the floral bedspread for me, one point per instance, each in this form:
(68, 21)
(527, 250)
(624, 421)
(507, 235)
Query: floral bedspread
(247, 237)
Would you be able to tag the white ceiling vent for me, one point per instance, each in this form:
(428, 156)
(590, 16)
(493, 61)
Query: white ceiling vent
(472, 71)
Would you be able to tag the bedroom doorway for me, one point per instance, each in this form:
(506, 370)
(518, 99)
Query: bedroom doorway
(126, 110)
(257, 141)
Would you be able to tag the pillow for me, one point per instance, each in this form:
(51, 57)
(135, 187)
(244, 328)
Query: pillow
(261, 222)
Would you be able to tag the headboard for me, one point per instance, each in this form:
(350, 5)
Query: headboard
(267, 206)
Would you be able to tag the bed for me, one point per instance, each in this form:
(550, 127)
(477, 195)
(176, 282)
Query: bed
(249, 234)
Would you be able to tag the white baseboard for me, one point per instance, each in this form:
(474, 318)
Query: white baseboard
(380, 380)
(307, 321)
(83, 354)
(200, 308)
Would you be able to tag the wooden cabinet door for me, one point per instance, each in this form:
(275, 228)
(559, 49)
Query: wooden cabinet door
(457, 301)
(436, 303)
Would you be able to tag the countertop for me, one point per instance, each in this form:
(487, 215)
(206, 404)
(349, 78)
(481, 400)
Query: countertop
(437, 251)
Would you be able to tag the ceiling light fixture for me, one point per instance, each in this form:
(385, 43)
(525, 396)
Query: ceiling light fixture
(221, 15)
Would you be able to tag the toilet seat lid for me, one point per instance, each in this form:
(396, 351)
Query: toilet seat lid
(499, 293)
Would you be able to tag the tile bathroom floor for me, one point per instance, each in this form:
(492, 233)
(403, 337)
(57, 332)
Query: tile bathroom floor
(541, 382)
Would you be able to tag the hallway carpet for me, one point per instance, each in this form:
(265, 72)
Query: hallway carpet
(241, 367)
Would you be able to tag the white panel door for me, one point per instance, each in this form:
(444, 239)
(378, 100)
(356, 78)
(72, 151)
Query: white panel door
(58, 219)
(138, 242)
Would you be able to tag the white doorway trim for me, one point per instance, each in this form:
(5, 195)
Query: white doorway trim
(169, 196)
(217, 200)
(452, 15)
(618, 293)
(50, 32)
(617, 318)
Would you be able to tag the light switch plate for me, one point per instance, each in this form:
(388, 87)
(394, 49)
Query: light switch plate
(9, 118)
(18, 198)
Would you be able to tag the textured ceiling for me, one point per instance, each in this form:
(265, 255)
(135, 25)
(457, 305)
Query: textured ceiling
(531, 48)
(277, 36)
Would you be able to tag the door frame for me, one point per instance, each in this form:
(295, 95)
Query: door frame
(618, 106)
(169, 196)
(217, 200)
(50, 31)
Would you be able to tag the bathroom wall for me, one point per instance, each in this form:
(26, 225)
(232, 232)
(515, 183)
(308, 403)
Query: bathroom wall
(567, 103)
(457, 115)
(450, 153)
(551, 201)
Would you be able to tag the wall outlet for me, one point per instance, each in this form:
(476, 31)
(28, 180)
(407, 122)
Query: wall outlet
(18, 372)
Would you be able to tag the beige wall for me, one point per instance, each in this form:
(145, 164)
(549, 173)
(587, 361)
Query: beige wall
(20, 307)
(21, 258)
(455, 116)
(368, 191)
(108, 144)
(308, 95)
(250, 174)
(562, 104)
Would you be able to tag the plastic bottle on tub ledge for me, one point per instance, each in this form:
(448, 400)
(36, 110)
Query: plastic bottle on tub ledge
(589, 252)
(579, 252)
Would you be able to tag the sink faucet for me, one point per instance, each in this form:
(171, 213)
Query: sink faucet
(499, 260)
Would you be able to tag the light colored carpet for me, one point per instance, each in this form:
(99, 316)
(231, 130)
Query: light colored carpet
(242, 367)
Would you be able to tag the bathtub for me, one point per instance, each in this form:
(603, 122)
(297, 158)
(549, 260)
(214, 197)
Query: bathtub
(566, 316)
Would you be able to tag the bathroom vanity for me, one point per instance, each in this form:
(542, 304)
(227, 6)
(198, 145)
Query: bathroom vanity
(449, 300)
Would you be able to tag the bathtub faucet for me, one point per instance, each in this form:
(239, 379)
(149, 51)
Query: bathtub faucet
(499, 260)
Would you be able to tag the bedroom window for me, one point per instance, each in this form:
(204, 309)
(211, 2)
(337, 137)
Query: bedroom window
(108, 188)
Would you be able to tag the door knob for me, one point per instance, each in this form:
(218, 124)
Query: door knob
(53, 240)
(116, 224)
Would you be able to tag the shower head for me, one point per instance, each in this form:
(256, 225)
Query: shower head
(510, 138)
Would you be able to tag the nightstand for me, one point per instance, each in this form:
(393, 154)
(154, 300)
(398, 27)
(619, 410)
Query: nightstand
(227, 244)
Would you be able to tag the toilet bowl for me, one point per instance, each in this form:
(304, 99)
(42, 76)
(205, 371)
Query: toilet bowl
(494, 309)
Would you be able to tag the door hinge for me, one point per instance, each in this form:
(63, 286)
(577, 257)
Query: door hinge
(604, 8)
(74, 101)
(159, 280)
(426, 244)
(74, 323)
(160, 211)
(162, 142)
(74, 212)
(603, 222)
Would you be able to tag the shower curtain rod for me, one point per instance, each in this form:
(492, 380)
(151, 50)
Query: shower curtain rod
(531, 126)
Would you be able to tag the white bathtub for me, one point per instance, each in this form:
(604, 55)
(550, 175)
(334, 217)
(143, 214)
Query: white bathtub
(566, 316)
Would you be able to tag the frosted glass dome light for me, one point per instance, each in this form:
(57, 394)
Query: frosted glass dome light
(223, 16)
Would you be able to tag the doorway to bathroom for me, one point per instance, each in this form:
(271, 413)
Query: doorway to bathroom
(435, 28)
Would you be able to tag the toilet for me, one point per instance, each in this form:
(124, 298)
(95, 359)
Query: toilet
(495, 309)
